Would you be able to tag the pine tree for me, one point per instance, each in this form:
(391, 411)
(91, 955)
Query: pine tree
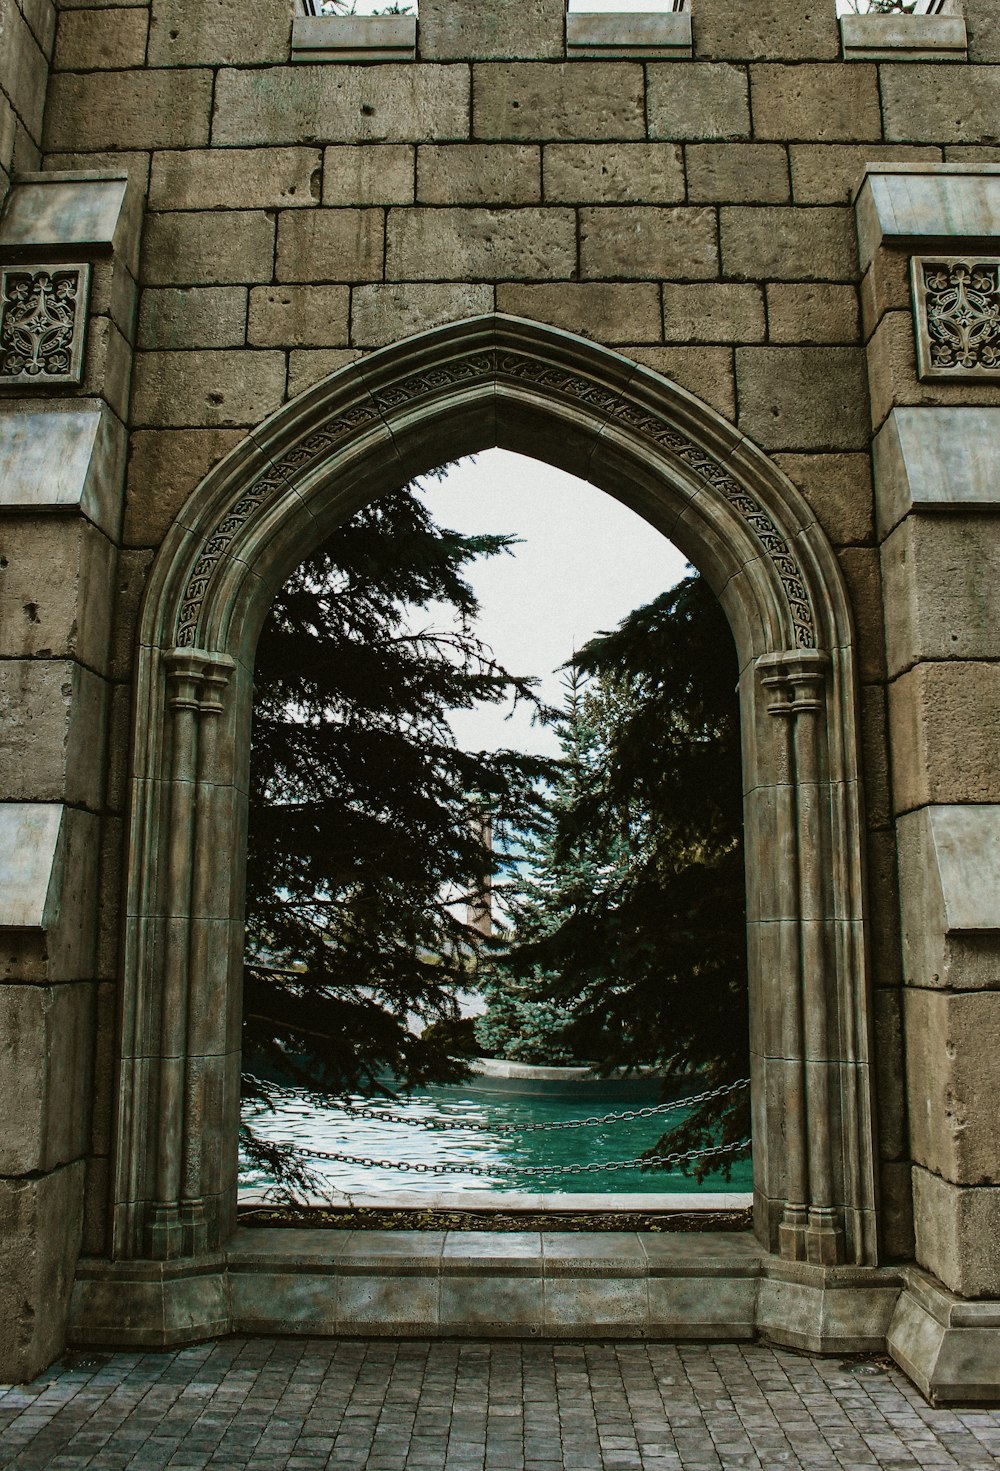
(523, 1022)
(364, 831)
(652, 960)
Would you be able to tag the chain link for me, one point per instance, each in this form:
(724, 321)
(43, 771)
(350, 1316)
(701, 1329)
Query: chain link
(544, 1171)
(629, 1115)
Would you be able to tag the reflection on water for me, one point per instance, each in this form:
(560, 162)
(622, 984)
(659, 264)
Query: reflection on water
(300, 1119)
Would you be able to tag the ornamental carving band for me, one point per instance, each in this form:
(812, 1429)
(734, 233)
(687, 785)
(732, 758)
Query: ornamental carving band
(43, 311)
(957, 309)
(281, 473)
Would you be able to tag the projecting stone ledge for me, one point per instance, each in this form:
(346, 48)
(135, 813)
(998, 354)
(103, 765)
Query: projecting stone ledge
(30, 864)
(936, 459)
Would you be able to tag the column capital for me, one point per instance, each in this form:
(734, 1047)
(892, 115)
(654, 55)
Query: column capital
(795, 680)
(197, 679)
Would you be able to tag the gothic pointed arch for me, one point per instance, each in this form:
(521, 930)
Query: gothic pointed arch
(371, 427)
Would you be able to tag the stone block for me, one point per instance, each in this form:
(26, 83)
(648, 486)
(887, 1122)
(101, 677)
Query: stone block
(706, 372)
(903, 38)
(52, 721)
(949, 858)
(896, 1214)
(952, 1057)
(602, 310)
(875, 758)
(235, 178)
(129, 109)
(96, 40)
(637, 242)
(506, 29)
(202, 249)
(330, 245)
(46, 1047)
(371, 174)
(839, 490)
(942, 583)
(803, 398)
(613, 173)
(909, 204)
(826, 104)
(46, 616)
(569, 100)
(480, 244)
(713, 313)
(343, 104)
(925, 102)
(737, 173)
(210, 389)
(107, 371)
(942, 719)
(309, 365)
(936, 459)
(479, 173)
(808, 244)
(199, 316)
(892, 373)
(298, 316)
(164, 468)
(386, 313)
(890, 1062)
(41, 1220)
(227, 33)
(62, 460)
(771, 28)
(958, 1233)
(700, 100)
(863, 580)
(829, 173)
(983, 25)
(812, 312)
(24, 68)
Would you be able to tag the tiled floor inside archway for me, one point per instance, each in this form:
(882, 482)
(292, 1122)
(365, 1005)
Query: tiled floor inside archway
(305, 1404)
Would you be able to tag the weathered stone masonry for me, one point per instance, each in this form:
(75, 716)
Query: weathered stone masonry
(734, 206)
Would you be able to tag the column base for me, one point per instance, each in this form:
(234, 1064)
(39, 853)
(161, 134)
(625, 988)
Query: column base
(948, 1345)
(824, 1237)
(165, 1235)
(792, 1233)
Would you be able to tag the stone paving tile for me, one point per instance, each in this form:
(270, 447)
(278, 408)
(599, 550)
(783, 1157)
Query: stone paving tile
(327, 1405)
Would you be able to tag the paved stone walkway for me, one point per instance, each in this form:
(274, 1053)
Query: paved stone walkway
(302, 1405)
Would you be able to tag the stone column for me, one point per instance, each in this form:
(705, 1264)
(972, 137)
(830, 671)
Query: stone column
(197, 683)
(810, 1227)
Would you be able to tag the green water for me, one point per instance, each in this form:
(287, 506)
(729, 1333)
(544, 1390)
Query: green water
(491, 1137)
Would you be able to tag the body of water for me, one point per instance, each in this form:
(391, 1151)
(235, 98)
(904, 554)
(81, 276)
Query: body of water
(491, 1133)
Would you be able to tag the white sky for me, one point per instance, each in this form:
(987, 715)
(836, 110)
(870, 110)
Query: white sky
(585, 562)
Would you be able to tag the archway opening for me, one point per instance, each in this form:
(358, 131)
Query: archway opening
(492, 841)
(376, 425)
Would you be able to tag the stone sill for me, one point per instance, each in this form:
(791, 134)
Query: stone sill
(602, 36)
(354, 38)
(903, 38)
(606, 36)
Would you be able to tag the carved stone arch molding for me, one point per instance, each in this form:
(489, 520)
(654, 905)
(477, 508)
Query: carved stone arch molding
(369, 428)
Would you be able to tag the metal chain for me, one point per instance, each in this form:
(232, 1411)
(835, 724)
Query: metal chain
(418, 1168)
(629, 1115)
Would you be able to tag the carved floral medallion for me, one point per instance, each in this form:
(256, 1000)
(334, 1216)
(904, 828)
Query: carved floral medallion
(956, 304)
(43, 311)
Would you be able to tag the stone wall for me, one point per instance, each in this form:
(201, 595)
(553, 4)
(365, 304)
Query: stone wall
(696, 215)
